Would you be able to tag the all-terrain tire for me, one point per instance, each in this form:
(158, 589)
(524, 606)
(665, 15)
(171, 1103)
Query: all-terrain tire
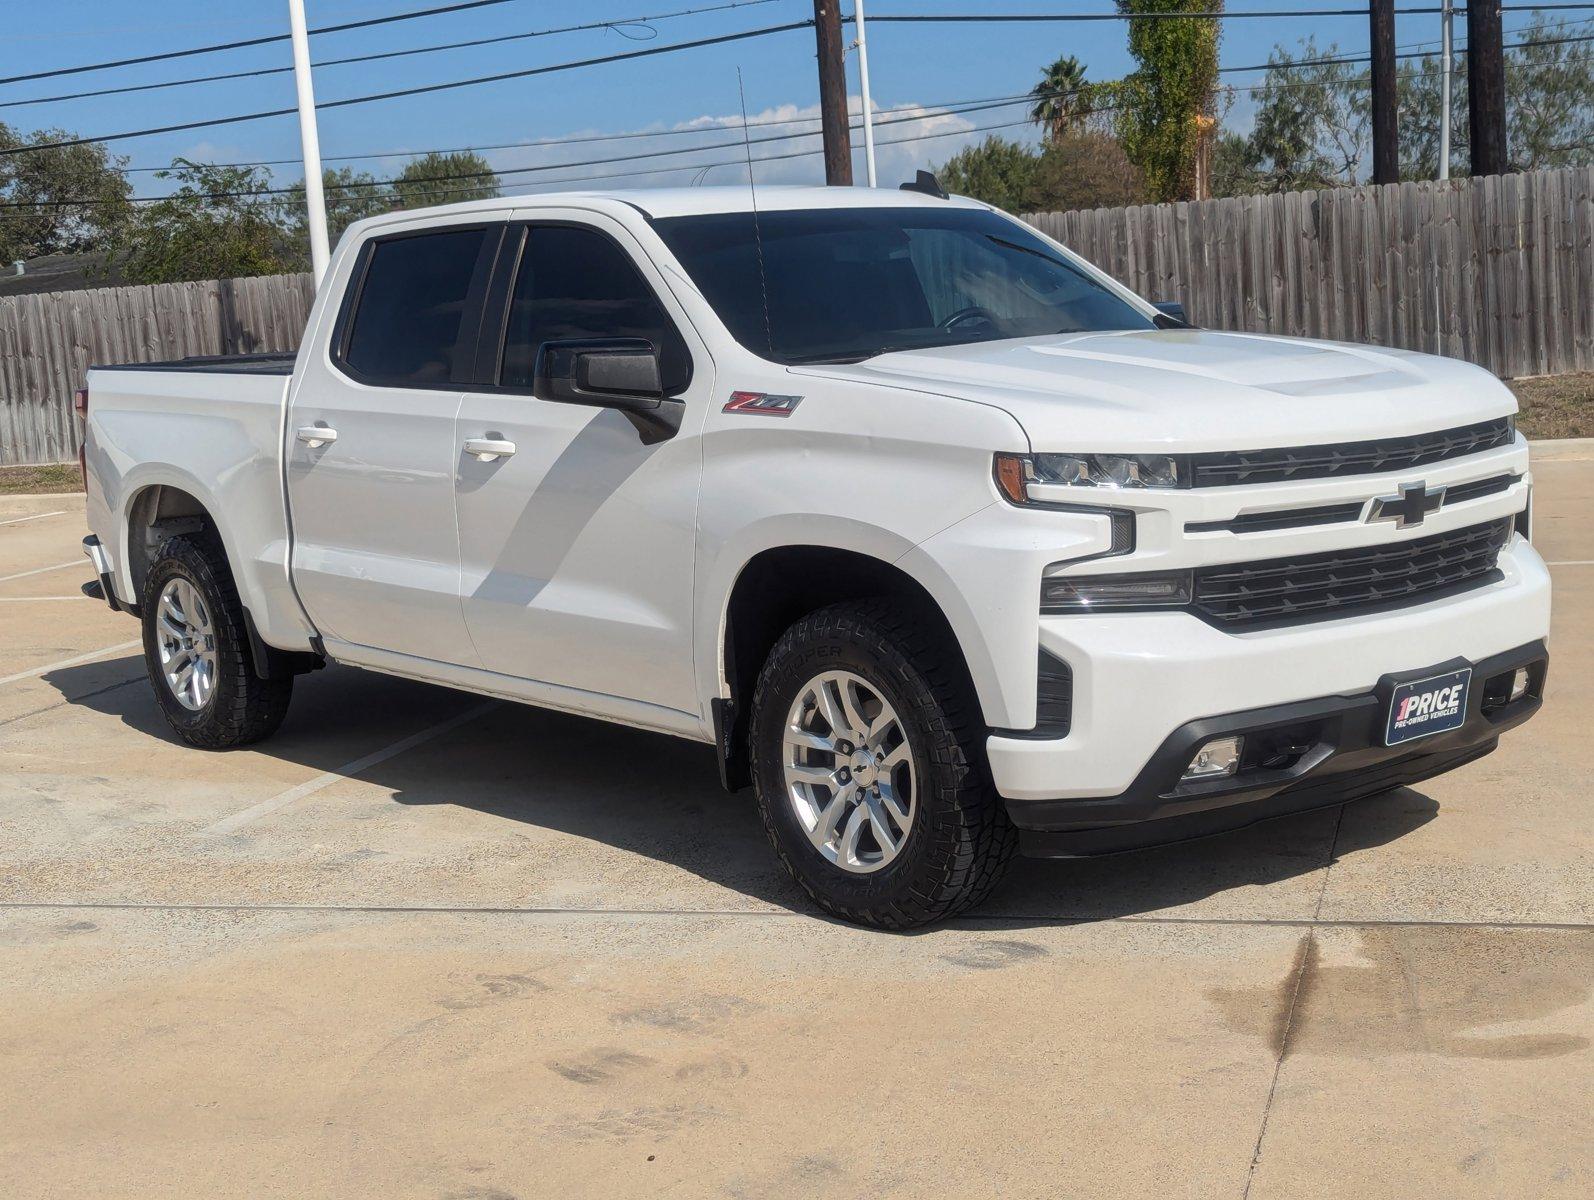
(242, 707)
(960, 840)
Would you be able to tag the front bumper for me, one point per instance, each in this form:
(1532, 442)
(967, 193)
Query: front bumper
(1299, 756)
(1138, 677)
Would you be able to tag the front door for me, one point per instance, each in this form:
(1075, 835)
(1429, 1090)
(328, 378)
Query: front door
(576, 545)
(370, 446)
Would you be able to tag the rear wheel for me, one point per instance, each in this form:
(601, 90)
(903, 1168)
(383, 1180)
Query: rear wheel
(197, 651)
(869, 768)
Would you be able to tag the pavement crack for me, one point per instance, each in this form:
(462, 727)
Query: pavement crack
(1305, 960)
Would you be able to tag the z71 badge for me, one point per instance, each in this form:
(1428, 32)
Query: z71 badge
(762, 404)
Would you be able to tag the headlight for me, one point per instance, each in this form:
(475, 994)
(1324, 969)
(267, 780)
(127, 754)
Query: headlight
(1030, 478)
(1095, 593)
(1108, 470)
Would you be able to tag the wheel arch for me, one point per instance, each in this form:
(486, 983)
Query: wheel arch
(163, 508)
(780, 584)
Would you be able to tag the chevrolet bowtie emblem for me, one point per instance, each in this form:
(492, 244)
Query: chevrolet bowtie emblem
(1409, 508)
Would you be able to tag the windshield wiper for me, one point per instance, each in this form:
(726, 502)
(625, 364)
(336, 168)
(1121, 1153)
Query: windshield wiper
(1040, 254)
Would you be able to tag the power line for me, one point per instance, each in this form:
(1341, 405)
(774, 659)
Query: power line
(581, 139)
(420, 90)
(619, 23)
(264, 40)
(461, 179)
(944, 110)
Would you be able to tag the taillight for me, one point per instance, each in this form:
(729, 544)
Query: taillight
(80, 405)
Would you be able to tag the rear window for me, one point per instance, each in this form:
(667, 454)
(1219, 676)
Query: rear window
(410, 315)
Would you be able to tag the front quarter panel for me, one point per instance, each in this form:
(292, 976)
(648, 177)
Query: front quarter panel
(874, 470)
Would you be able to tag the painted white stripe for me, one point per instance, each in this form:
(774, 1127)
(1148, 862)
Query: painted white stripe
(69, 662)
(1572, 562)
(76, 562)
(349, 769)
(36, 517)
(31, 599)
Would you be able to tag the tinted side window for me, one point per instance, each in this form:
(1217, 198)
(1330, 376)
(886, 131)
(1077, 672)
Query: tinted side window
(406, 329)
(577, 284)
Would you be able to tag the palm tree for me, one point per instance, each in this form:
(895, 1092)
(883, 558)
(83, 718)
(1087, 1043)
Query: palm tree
(1060, 102)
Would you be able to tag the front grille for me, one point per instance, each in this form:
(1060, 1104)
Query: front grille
(1347, 458)
(1318, 587)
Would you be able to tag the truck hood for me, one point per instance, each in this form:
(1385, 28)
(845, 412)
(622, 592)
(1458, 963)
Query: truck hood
(1191, 390)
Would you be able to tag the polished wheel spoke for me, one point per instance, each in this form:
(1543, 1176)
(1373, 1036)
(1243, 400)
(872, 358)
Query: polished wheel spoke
(885, 833)
(824, 829)
(848, 771)
(892, 804)
(811, 774)
(847, 851)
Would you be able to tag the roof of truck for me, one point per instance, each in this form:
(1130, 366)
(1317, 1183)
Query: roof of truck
(681, 202)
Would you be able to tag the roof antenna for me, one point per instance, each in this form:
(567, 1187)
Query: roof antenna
(758, 237)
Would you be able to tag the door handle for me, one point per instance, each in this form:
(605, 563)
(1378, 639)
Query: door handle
(316, 436)
(489, 449)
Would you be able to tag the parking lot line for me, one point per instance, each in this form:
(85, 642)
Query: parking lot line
(1572, 562)
(34, 672)
(31, 599)
(76, 562)
(60, 512)
(280, 801)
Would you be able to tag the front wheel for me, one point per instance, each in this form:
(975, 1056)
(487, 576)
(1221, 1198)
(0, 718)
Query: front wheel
(197, 651)
(869, 768)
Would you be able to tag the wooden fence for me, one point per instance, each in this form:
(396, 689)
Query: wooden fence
(48, 341)
(1497, 270)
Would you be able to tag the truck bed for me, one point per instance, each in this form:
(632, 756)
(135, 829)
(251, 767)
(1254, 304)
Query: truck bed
(278, 363)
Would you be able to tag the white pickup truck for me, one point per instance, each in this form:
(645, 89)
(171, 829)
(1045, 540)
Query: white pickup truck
(950, 545)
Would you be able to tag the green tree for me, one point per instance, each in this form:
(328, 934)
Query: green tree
(1085, 169)
(1311, 128)
(996, 171)
(214, 225)
(1549, 89)
(1062, 98)
(350, 196)
(69, 200)
(444, 179)
(1167, 106)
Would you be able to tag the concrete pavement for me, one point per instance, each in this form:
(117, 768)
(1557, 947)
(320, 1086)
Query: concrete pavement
(419, 945)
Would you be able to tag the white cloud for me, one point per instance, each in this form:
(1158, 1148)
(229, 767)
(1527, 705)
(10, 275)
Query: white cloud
(784, 142)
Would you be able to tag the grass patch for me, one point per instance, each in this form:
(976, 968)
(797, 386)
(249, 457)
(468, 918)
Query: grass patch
(52, 478)
(1556, 406)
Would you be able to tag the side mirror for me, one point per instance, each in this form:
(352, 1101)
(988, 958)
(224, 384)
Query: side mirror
(1173, 316)
(621, 374)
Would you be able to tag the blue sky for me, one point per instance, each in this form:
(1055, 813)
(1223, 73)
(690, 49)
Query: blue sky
(911, 65)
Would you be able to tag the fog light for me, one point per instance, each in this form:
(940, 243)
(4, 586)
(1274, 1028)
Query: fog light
(1219, 757)
(1519, 683)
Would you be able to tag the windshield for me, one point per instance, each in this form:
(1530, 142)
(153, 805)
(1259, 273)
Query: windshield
(844, 285)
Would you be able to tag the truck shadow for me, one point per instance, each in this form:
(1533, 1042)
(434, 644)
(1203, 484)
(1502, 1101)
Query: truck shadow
(659, 797)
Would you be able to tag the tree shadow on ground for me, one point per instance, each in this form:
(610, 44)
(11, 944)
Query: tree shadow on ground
(659, 797)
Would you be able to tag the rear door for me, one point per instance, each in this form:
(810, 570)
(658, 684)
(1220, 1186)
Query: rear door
(370, 445)
(576, 546)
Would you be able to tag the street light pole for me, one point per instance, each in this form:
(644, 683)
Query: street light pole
(1446, 34)
(314, 198)
(863, 84)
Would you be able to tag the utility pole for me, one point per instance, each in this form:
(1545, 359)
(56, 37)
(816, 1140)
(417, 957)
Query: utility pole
(314, 200)
(1447, 18)
(1486, 87)
(863, 86)
(1386, 133)
(833, 93)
